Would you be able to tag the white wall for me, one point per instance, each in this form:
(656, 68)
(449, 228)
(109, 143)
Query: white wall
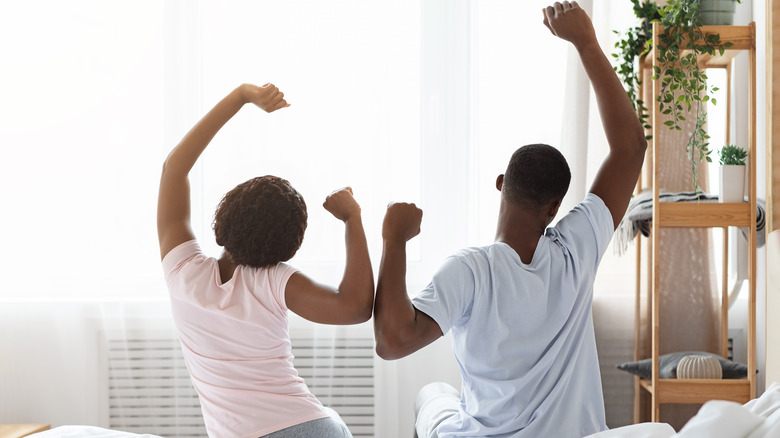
(773, 308)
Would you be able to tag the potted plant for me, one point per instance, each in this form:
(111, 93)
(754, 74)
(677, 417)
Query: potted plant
(683, 83)
(717, 12)
(732, 173)
(634, 43)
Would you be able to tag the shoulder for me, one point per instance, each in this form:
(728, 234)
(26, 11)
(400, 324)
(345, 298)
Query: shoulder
(591, 213)
(281, 272)
(594, 208)
(470, 258)
(585, 232)
(181, 255)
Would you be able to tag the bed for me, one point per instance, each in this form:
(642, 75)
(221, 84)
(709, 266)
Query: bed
(87, 432)
(758, 418)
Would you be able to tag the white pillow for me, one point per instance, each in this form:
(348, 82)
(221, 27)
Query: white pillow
(721, 419)
(770, 428)
(641, 430)
(768, 403)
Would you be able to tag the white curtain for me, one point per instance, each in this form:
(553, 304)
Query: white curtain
(418, 101)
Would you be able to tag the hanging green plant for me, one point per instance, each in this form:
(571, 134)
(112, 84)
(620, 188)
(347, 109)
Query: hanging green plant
(683, 83)
(635, 42)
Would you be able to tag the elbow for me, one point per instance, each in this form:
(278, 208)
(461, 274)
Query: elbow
(363, 315)
(383, 353)
(390, 345)
(641, 144)
(639, 147)
(388, 351)
(640, 140)
(360, 310)
(165, 167)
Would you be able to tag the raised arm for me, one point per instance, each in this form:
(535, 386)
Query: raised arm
(617, 177)
(173, 201)
(353, 301)
(399, 328)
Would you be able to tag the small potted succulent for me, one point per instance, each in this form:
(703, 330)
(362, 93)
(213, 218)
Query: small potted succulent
(732, 173)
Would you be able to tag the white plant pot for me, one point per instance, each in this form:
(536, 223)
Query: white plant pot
(732, 183)
(717, 12)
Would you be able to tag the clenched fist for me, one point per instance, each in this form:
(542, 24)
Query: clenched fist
(402, 222)
(342, 204)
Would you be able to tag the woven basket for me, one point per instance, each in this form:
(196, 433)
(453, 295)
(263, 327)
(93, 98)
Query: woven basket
(699, 367)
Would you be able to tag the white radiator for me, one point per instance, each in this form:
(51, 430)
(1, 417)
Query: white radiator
(149, 388)
(340, 372)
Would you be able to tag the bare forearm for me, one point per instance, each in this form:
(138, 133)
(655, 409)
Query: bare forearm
(357, 284)
(620, 122)
(394, 314)
(183, 157)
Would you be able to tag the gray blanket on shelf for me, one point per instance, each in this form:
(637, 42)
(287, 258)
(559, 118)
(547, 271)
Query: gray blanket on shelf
(639, 215)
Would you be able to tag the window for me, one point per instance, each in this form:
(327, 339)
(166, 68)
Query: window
(419, 101)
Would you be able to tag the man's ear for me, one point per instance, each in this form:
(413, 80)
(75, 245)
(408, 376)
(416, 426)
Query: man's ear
(500, 182)
(553, 209)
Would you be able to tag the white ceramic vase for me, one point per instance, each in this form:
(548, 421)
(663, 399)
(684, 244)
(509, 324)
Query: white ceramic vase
(699, 367)
(732, 183)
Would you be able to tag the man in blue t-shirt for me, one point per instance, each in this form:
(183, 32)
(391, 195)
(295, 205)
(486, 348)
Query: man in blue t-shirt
(519, 310)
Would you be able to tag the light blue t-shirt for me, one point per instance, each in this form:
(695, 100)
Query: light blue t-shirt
(522, 334)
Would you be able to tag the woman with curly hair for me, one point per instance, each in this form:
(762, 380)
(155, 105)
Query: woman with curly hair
(231, 312)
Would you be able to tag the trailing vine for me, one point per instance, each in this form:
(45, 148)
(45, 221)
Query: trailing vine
(635, 42)
(684, 87)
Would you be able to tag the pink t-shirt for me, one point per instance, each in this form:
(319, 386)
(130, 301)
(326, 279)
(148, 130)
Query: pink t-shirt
(236, 345)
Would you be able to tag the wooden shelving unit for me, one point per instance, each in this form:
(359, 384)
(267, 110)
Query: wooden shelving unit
(701, 215)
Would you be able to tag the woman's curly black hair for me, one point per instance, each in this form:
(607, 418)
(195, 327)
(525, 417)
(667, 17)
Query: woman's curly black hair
(261, 222)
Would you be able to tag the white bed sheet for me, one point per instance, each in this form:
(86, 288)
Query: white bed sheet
(87, 432)
(759, 418)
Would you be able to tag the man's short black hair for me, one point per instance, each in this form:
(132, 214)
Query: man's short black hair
(261, 222)
(537, 174)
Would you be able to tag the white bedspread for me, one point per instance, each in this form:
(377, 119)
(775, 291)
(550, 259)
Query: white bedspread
(87, 432)
(759, 418)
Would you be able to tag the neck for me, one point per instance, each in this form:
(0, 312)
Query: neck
(520, 229)
(226, 267)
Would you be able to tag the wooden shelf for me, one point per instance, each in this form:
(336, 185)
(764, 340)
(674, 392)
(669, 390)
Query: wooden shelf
(699, 215)
(705, 214)
(21, 430)
(743, 38)
(695, 391)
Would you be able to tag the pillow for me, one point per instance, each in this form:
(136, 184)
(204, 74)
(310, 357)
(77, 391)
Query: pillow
(668, 366)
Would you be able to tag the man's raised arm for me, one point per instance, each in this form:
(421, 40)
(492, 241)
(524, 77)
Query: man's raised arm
(617, 177)
(399, 328)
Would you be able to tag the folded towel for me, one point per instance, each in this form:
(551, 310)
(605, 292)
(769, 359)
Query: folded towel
(639, 215)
